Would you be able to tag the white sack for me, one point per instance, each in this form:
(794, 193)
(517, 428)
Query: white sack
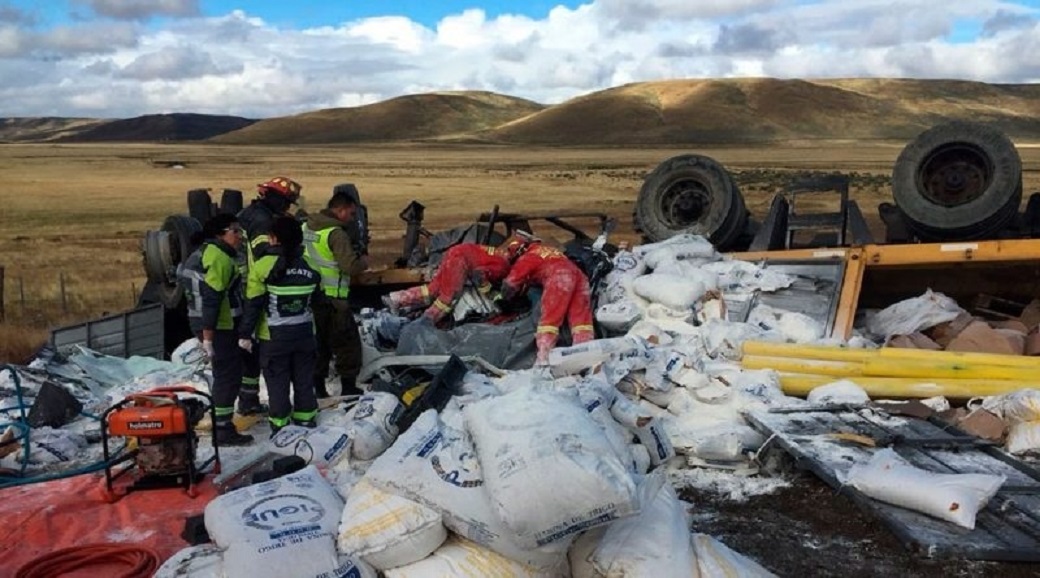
(656, 542)
(914, 314)
(793, 326)
(578, 358)
(617, 285)
(323, 446)
(387, 530)
(955, 498)
(716, 559)
(744, 277)
(580, 554)
(1015, 407)
(460, 558)
(374, 424)
(285, 526)
(1023, 437)
(685, 247)
(202, 561)
(618, 316)
(437, 466)
(839, 392)
(677, 292)
(550, 471)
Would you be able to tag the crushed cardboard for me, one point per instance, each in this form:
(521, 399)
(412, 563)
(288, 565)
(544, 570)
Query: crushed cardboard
(979, 337)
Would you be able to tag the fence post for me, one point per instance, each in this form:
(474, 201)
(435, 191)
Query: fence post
(3, 315)
(64, 298)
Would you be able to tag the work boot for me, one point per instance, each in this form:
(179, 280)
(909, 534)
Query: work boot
(544, 342)
(225, 434)
(348, 386)
(249, 404)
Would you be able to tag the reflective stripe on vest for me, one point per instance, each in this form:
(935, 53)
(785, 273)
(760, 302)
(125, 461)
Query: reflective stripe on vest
(319, 255)
(278, 294)
(194, 280)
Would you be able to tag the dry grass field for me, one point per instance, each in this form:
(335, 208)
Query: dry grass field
(79, 211)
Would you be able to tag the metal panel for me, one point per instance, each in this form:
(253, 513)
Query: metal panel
(1008, 528)
(135, 332)
(815, 292)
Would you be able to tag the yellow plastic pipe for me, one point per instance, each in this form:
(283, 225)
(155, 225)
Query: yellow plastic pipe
(823, 352)
(939, 369)
(910, 387)
(810, 366)
(831, 353)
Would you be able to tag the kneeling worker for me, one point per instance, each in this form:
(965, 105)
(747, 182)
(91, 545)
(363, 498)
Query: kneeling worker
(480, 264)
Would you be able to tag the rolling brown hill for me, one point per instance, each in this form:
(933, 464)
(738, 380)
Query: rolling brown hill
(44, 129)
(762, 110)
(671, 112)
(406, 118)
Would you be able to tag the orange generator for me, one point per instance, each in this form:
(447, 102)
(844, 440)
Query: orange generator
(161, 443)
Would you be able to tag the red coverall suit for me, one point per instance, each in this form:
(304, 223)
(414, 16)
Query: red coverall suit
(565, 293)
(461, 262)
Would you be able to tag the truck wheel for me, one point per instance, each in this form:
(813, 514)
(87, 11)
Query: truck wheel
(200, 205)
(690, 194)
(231, 202)
(958, 180)
(164, 250)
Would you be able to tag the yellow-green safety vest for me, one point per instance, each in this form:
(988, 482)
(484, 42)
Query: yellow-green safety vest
(318, 254)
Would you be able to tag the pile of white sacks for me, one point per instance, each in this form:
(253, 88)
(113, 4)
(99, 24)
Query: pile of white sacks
(558, 471)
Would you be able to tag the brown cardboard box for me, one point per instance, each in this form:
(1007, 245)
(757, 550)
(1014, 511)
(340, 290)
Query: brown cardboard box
(1033, 342)
(1013, 324)
(978, 336)
(901, 342)
(983, 424)
(922, 341)
(944, 333)
(1030, 316)
(1016, 339)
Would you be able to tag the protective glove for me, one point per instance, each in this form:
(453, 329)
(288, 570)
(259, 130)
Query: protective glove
(207, 348)
(246, 344)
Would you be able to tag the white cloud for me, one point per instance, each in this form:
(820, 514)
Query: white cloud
(142, 9)
(238, 63)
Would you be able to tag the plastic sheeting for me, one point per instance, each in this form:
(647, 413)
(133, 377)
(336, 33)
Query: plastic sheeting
(508, 345)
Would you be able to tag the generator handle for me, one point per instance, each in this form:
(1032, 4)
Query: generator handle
(171, 389)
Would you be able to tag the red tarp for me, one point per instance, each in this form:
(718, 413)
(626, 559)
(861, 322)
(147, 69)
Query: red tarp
(44, 517)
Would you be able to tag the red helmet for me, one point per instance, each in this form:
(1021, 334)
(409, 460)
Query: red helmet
(516, 245)
(284, 186)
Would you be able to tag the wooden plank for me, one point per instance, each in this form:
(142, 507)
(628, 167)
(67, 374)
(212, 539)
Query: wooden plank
(1007, 529)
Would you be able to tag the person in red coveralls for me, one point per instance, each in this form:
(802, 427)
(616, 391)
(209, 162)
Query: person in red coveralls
(565, 290)
(466, 261)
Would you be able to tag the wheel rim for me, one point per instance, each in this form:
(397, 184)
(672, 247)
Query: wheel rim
(955, 174)
(684, 204)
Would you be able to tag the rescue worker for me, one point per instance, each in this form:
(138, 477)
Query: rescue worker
(565, 290)
(480, 264)
(330, 251)
(212, 284)
(274, 197)
(280, 294)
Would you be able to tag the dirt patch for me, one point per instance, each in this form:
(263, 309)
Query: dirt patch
(807, 529)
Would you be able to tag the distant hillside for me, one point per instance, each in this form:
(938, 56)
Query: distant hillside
(42, 129)
(405, 118)
(161, 127)
(671, 112)
(758, 110)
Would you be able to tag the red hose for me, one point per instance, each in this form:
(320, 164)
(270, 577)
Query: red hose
(140, 561)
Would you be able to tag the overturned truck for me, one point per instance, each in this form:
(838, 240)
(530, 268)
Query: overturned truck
(955, 183)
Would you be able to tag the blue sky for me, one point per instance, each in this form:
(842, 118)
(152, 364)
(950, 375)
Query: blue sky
(122, 58)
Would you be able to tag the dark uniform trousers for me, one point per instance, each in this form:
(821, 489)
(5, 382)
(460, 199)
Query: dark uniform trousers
(288, 362)
(338, 336)
(227, 368)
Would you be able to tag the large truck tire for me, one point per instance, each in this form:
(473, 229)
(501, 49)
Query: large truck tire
(958, 181)
(231, 202)
(200, 205)
(691, 194)
(163, 251)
